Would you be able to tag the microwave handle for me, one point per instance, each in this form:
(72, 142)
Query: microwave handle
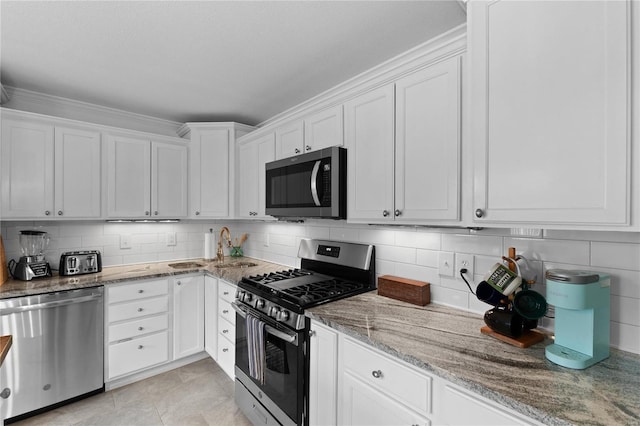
(314, 184)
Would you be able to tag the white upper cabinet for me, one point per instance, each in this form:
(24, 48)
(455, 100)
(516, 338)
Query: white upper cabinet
(427, 165)
(289, 140)
(410, 172)
(211, 168)
(370, 152)
(550, 112)
(49, 171)
(77, 173)
(324, 129)
(252, 157)
(145, 178)
(27, 169)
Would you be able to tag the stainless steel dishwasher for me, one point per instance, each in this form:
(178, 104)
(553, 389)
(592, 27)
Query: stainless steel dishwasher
(57, 353)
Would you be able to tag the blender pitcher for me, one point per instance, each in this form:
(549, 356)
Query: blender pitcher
(33, 244)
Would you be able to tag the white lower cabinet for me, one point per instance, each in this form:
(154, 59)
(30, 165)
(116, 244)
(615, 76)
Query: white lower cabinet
(352, 383)
(188, 315)
(211, 316)
(226, 351)
(137, 326)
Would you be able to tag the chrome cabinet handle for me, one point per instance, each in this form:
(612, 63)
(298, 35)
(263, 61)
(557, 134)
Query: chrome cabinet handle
(376, 373)
(140, 346)
(197, 213)
(479, 213)
(5, 393)
(47, 212)
(397, 213)
(297, 151)
(139, 309)
(146, 213)
(385, 213)
(226, 311)
(225, 331)
(226, 293)
(308, 147)
(155, 212)
(140, 291)
(140, 328)
(179, 282)
(59, 212)
(312, 333)
(225, 350)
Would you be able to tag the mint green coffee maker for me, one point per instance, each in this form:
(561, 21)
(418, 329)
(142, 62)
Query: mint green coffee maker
(582, 304)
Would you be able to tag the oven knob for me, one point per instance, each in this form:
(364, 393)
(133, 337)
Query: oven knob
(274, 312)
(246, 297)
(259, 303)
(239, 294)
(282, 316)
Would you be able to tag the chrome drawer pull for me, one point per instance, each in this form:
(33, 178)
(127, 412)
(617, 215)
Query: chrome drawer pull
(226, 311)
(376, 373)
(140, 346)
(140, 328)
(140, 291)
(225, 331)
(139, 309)
(225, 350)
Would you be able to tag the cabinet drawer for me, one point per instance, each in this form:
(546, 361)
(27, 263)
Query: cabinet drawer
(226, 357)
(138, 308)
(226, 291)
(132, 355)
(226, 311)
(402, 383)
(138, 327)
(137, 290)
(227, 330)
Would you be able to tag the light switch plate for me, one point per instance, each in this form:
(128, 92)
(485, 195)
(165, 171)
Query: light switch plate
(125, 241)
(171, 238)
(445, 264)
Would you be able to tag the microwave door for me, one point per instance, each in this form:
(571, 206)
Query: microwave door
(314, 183)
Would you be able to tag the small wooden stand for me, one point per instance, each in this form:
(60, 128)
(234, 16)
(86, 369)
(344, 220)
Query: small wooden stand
(528, 337)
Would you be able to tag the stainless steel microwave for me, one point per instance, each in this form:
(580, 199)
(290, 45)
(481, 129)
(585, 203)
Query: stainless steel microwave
(310, 185)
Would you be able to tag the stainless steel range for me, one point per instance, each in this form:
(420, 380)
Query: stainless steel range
(272, 332)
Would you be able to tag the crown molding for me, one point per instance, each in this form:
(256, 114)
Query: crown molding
(40, 103)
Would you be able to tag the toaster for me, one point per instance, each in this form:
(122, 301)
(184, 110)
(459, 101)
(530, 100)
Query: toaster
(80, 262)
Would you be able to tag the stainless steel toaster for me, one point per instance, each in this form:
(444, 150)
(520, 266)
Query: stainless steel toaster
(80, 262)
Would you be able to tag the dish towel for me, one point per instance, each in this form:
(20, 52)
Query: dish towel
(255, 347)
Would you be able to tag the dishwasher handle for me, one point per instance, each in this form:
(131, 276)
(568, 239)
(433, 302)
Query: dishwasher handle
(47, 305)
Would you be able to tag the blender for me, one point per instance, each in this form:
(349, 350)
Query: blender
(32, 263)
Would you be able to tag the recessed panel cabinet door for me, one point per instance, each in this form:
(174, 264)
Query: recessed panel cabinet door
(550, 111)
(369, 141)
(27, 169)
(128, 177)
(168, 180)
(209, 168)
(252, 157)
(427, 172)
(77, 173)
(188, 316)
(289, 140)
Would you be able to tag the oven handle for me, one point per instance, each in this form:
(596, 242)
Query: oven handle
(289, 338)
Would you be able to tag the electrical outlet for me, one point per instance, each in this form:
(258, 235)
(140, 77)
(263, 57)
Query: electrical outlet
(125, 241)
(171, 238)
(445, 264)
(266, 240)
(464, 261)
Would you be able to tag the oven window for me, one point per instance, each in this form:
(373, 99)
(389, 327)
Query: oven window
(284, 369)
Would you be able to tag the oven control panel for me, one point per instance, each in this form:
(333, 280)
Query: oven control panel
(271, 309)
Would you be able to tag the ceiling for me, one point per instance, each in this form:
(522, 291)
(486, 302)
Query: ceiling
(183, 61)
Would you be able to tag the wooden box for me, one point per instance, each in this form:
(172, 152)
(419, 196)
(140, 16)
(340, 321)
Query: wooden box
(411, 291)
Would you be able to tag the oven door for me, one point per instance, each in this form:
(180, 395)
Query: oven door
(284, 384)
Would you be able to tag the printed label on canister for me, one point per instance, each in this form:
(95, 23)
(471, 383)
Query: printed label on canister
(500, 277)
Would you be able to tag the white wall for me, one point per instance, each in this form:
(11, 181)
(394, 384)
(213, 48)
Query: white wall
(402, 251)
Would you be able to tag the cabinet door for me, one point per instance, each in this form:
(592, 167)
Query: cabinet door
(168, 180)
(252, 158)
(27, 169)
(77, 173)
(210, 171)
(550, 111)
(128, 177)
(188, 316)
(323, 375)
(362, 404)
(427, 172)
(369, 140)
(324, 129)
(211, 316)
(289, 140)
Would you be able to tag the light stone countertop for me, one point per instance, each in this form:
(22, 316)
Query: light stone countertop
(116, 274)
(447, 342)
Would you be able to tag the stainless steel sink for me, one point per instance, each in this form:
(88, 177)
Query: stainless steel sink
(185, 265)
(236, 265)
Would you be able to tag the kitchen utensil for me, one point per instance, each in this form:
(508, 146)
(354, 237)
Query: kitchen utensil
(530, 304)
(582, 314)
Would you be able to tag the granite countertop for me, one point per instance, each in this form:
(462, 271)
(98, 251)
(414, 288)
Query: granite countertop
(115, 274)
(447, 342)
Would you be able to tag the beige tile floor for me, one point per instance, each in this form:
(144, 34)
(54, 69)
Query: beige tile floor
(196, 394)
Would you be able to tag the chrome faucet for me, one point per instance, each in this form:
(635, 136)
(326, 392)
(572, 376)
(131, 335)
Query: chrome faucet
(220, 252)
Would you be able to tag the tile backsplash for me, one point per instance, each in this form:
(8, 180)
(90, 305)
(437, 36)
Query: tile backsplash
(410, 252)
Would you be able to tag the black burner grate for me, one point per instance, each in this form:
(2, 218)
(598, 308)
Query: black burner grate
(313, 293)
